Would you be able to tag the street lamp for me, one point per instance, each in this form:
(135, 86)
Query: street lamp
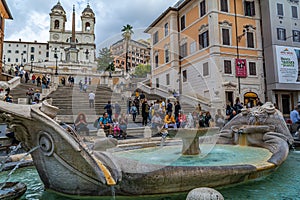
(56, 57)
(31, 71)
(22, 59)
(110, 69)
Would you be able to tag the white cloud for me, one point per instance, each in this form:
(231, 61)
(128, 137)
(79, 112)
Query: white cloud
(31, 17)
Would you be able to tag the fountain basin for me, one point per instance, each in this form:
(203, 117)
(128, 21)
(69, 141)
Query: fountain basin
(159, 171)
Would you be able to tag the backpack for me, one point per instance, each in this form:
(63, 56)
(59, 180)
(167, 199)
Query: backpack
(96, 122)
(133, 109)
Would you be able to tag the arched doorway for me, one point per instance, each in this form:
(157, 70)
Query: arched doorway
(250, 99)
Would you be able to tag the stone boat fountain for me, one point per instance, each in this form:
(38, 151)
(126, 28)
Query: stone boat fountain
(66, 165)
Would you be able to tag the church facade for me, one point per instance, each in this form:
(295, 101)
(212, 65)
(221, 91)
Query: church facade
(70, 45)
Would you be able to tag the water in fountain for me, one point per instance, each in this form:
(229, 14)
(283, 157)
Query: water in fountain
(278, 185)
(163, 138)
(17, 166)
(13, 151)
(113, 192)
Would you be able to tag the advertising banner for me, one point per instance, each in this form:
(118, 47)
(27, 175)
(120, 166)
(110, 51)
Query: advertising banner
(288, 64)
(241, 68)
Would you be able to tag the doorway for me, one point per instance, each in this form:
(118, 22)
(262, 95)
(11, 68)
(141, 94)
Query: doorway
(250, 99)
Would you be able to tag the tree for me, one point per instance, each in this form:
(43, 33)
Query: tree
(105, 60)
(141, 70)
(127, 33)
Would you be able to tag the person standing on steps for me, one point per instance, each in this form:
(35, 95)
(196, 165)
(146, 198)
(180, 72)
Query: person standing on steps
(133, 111)
(92, 99)
(145, 112)
(108, 109)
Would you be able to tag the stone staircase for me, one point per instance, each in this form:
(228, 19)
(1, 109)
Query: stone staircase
(19, 92)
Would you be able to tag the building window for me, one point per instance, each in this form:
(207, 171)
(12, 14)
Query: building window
(32, 49)
(17, 51)
(168, 79)
(24, 45)
(294, 12)
(249, 8)
(202, 8)
(156, 60)
(281, 34)
(17, 60)
(8, 51)
(182, 22)
(227, 67)
(203, 40)
(252, 68)
(184, 76)
(224, 5)
(8, 59)
(225, 36)
(193, 47)
(24, 52)
(279, 9)
(250, 40)
(167, 55)
(56, 24)
(155, 37)
(296, 36)
(166, 29)
(157, 82)
(205, 69)
(183, 50)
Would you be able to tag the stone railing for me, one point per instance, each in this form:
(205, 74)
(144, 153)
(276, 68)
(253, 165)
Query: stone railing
(14, 82)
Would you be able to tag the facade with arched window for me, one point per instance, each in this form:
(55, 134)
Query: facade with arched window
(60, 38)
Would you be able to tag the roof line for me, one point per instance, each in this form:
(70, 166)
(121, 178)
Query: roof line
(7, 9)
(180, 6)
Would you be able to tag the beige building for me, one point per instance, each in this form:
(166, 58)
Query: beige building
(138, 53)
(211, 50)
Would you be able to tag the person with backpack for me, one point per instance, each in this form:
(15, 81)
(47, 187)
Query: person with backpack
(230, 112)
(133, 111)
(145, 112)
(238, 106)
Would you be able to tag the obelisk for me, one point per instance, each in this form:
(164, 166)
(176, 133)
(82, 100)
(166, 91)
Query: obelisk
(72, 52)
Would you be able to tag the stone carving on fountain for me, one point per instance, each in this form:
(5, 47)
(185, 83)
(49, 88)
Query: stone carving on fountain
(261, 126)
(63, 160)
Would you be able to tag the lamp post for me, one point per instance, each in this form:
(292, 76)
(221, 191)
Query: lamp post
(31, 71)
(56, 57)
(110, 69)
(22, 59)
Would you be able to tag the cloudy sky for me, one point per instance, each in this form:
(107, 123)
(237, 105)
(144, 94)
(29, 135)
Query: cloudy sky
(31, 18)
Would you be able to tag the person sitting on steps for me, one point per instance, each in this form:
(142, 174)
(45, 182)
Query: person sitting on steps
(104, 123)
(170, 121)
